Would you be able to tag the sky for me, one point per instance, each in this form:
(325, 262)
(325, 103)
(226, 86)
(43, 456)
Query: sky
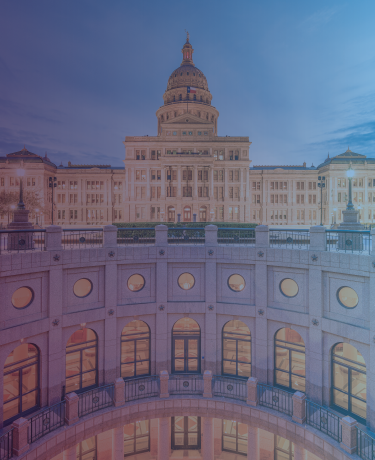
(298, 78)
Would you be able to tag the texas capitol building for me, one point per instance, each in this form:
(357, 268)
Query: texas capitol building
(188, 172)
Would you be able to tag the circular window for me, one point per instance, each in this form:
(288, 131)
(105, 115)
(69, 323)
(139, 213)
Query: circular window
(289, 287)
(347, 297)
(82, 287)
(236, 283)
(22, 297)
(186, 281)
(136, 283)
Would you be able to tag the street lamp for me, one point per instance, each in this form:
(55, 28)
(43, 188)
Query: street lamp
(52, 183)
(36, 215)
(321, 185)
(350, 174)
(20, 174)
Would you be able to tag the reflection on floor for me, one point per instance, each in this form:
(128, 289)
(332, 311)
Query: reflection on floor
(186, 438)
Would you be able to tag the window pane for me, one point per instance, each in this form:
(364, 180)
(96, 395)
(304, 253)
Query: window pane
(359, 407)
(143, 367)
(127, 351)
(340, 377)
(298, 363)
(282, 378)
(193, 365)
(244, 370)
(340, 399)
(29, 400)
(358, 384)
(72, 384)
(229, 349)
(229, 367)
(282, 358)
(128, 447)
(11, 409)
(179, 424)
(11, 386)
(179, 365)
(229, 443)
(244, 351)
(88, 359)
(141, 443)
(298, 383)
(193, 348)
(127, 370)
(129, 431)
(143, 348)
(88, 379)
(179, 347)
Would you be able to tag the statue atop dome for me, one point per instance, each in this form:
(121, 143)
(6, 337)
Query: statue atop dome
(187, 52)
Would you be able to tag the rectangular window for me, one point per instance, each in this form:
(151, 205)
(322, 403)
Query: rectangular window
(230, 192)
(314, 199)
(231, 175)
(221, 175)
(2, 181)
(237, 175)
(216, 175)
(339, 197)
(137, 175)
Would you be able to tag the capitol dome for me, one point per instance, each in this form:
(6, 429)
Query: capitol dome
(187, 75)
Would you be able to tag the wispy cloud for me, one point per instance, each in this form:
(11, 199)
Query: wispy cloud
(319, 18)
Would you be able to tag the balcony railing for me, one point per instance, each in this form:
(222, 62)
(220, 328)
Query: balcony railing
(365, 445)
(275, 398)
(352, 242)
(186, 384)
(22, 240)
(141, 388)
(194, 236)
(323, 420)
(135, 236)
(6, 445)
(94, 400)
(82, 238)
(46, 421)
(229, 387)
(234, 236)
(289, 239)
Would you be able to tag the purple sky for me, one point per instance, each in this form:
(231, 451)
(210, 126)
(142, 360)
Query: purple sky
(297, 77)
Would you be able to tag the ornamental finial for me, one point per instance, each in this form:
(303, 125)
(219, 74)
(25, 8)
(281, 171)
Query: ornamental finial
(187, 36)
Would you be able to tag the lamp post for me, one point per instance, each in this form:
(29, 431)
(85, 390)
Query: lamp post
(20, 174)
(321, 185)
(52, 184)
(36, 215)
(350, 174)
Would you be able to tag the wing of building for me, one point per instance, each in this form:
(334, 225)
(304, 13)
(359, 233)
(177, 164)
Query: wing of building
(188, 172)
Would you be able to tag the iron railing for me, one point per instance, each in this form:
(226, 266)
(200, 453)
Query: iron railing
(46, 421)
(229, 236)
(359, 242)
(186, 384)
(135, 236)
(22, 240)
(6, 445)
(289, 239)
(365, 445)
(81, 238)
(141, 387)
(179, 235)
(275, 398)
(323, 420)
(96, 399)
(229, 387)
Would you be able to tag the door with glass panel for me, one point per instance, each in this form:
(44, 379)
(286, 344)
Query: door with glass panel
(136, 437)
(135, 350)
(186, 432)
(235, 437)
(236, 349)
(21, 382)
(186, 347)
(349, 381)
(284, 449)
(87, 449)
(81, 361)
(289, 360)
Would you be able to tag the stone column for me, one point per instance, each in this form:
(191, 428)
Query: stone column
(20, 429)
(252, 443)
(317, 238)
(148, 186)
(53, 238)
(195, 182)
(118, 443)
(226, 192)
(208, 438)
(162, 195)
(131, 171)
(71, 408)
(161, 235)
(299, 407)
(299, 452)
(252, 391)
(119, 392)
(164, 379)
(262, 238)
(207, 378)
(164, 445)
(349, 434)
(210, 235)
(71, 453)
(211, 191)
(110, 236)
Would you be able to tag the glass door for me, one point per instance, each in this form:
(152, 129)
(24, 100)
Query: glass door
(186, 432)
(186, 355)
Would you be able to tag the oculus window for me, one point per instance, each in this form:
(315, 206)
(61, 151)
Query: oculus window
(347, 297)
(289, 287)
(186, 281)
(236, 283)
(82, 288)
(22, 297)
(136, 283)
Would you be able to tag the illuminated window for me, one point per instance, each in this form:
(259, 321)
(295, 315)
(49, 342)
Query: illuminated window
(136, 283)
(289, 360)
(81, 361)
(236, 283)
(289, 287)
(21, 382)
(349, 384)
(87, 449)
(136, 437)
(22, 297)
(236, 349)
(186, 346)
(235, 437)
(347, 297)
(186, 281)
(82, 287)
(135, 350)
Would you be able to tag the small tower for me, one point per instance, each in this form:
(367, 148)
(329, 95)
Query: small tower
(187, 52)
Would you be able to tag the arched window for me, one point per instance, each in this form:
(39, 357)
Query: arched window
(348, 381)
(81, 369)
(135, 350)
(21, 382)
(186, 347)
(289, 360)
(236, 349)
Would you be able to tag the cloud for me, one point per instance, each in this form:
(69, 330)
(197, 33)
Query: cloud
(319, 18)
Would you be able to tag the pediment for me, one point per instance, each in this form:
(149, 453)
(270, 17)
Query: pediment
(187, 119)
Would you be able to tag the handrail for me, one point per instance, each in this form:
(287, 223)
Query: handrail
(26, 230)
(82, 229)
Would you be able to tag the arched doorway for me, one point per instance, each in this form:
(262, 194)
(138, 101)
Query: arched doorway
(236, 360)
(135, 350)
(21, 382)
(81, 367)
(289, 360)
(203, 214)
(187, 214)
(186, 347)
(349, 384)
(171, 214)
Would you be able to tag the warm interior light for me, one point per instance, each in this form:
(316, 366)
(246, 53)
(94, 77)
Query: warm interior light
(20, 172)
(350, 172)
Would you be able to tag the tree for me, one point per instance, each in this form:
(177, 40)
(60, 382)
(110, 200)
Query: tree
(31, 199)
